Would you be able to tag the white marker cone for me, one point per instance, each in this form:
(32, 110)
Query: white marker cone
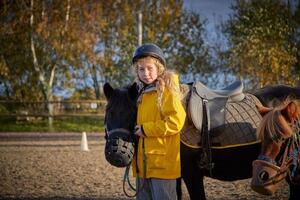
(84, 144)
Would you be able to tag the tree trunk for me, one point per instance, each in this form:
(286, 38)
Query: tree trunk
(47, 89)
(96, 85)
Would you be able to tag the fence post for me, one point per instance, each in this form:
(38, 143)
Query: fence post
(50, 118)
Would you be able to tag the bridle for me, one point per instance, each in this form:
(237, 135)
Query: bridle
(291, 143)
(126, 174)
(288, 146)
(121, 130)
(126, 179)
(266, 171)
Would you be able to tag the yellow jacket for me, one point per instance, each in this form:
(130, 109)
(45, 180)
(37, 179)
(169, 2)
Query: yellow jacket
(161, 146)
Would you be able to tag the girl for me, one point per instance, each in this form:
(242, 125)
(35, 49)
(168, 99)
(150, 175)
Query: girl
(160, 118)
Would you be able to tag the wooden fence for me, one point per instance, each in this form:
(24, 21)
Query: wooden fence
(37, 109)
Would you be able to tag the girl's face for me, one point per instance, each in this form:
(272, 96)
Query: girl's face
(147, 71)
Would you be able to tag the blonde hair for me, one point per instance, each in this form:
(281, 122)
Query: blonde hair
(270, 122)
(165, 79)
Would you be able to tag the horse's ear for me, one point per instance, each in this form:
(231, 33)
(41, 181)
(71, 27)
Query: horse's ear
(133, 91)
(108, 90)
(262, 109)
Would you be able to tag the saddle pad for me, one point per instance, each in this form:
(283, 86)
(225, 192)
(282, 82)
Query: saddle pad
(190, 136)
(241, 121)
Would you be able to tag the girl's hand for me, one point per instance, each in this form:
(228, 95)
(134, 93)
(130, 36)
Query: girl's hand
(138, 131)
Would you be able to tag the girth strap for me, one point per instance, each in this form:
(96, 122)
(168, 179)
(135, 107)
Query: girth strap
(206, 157)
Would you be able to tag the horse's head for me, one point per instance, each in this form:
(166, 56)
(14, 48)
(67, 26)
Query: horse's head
(279, 133)
(277, 126)
(120, 119)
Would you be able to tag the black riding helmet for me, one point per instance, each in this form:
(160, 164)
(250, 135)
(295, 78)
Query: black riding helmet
(149, 50)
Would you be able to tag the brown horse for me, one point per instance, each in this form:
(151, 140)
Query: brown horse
(279, 132)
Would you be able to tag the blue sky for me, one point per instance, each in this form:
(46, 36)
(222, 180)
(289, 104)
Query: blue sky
(209, 8)
(214, 11)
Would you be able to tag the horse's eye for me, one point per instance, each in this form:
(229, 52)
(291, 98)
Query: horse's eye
(264, 175)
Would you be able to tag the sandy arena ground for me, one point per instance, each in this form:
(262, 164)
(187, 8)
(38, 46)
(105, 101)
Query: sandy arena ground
(52, 166)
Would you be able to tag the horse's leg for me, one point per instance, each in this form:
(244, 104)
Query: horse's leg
(195, 186)
(294, 191)
(191, 173)
(178, 189)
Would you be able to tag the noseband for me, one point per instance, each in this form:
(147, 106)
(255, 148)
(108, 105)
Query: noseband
(119, 147)
(267, 174)
(121, 130)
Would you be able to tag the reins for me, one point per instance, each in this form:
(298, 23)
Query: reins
(126, 175)
(296, 152)
(295, 162)
(286, 160)
(126, 179)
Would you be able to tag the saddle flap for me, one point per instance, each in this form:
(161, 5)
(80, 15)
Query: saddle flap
(214, 108)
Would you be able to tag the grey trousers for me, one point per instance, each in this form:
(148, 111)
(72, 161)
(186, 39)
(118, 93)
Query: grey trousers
(156, 189)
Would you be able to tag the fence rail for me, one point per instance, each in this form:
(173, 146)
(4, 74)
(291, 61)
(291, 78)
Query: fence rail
(102, 102)
(54, 116)
(25, 109)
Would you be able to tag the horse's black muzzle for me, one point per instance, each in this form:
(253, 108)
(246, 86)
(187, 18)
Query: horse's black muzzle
(119, 147)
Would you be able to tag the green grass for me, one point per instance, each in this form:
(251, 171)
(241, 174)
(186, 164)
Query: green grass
(75, 124)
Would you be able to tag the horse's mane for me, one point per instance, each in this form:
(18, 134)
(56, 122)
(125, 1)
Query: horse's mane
(274, 95)
(270, 123)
